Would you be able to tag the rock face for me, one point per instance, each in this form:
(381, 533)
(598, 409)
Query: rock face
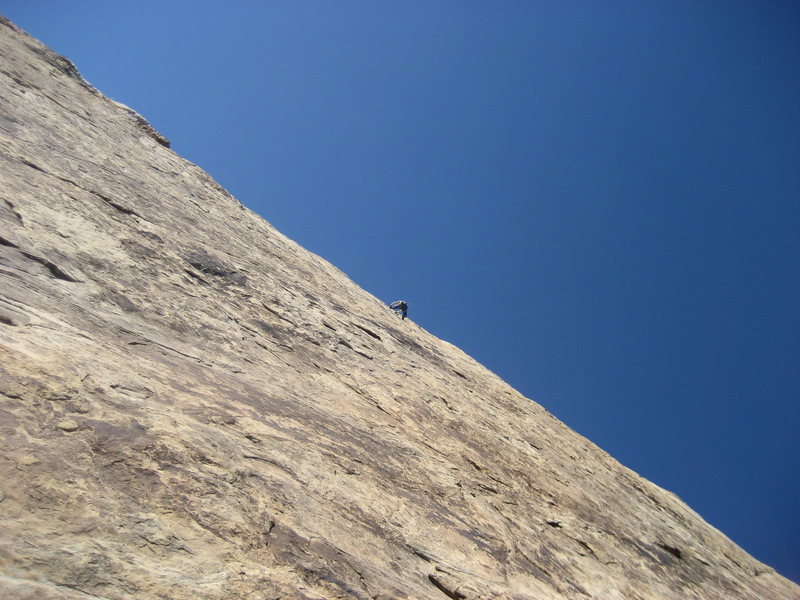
(193, 406)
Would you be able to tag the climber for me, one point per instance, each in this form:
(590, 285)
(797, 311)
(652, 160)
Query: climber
(401, 306)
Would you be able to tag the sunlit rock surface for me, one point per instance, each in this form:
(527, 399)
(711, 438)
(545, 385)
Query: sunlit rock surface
(193, 406)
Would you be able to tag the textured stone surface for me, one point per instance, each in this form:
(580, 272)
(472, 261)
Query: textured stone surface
(193, 406)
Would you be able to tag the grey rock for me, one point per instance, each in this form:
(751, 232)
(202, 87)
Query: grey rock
(68, 425)
(253, 424)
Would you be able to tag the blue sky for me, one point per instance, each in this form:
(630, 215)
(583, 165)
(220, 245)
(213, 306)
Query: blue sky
(600, 201)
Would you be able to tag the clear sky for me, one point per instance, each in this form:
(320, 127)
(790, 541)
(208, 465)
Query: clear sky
(599, 201)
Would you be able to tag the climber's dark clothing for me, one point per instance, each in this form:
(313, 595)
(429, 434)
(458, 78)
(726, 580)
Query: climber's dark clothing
(400, 307)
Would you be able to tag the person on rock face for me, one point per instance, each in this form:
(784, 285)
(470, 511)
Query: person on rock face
(401, 307)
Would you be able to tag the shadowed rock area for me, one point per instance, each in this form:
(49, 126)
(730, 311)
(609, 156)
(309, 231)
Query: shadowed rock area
(194, 407)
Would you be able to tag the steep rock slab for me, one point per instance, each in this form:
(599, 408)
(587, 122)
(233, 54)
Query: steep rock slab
(193, 406)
